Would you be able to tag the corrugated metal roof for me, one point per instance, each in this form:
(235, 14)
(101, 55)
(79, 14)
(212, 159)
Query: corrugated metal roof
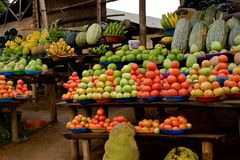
(150, 21)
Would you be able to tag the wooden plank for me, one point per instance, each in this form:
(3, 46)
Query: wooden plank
(142, 21)
(199, 137)
(14, 125)
(81, 4)
(223, 104)
(85, 150)
(107, 1)
(115, 15)
(207, 151)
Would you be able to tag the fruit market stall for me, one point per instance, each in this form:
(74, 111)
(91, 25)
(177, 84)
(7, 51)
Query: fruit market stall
(192, 67)
(200, 70)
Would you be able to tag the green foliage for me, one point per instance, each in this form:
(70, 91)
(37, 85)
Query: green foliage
(2, 7)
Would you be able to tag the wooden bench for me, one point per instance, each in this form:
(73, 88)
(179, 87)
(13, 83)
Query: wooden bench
(205, 139)
(12, 106)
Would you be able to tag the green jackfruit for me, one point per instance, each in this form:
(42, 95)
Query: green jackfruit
(181, 153)
(121, 144)
(191, 60)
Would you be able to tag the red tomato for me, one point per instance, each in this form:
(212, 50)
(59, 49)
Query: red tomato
(137, 72)
(110, 78)
(146, 89)
(166, 86)
(148, 82)
(110, 72)
(172, 92)
(102, 118)
(19, 86)
(150, 74)
(146, 94)
(74, 74)
(151, 66)
(175, 64)
(171, 79)
(139, 76)
(174, 71)
(157, 79)
(119, 119)
(96, 117)
(140, 94)
(134, 66)
(181, 78)
(164, 93)
(157, 73)
(100, 112)
(132, 72)
(176, 86)
(94, 121)
(20, 81)
(185, 85)
(156, 86)
(134, 77)
(154, 93)
(183, 92)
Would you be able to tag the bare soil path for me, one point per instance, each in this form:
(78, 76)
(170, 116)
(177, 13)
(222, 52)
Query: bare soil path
(45, 144)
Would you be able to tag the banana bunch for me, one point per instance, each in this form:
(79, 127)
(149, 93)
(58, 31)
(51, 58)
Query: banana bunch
(169, 21)
(166, 40)
(101, 50)
(60, 48)
(115, 29)
(84, 28)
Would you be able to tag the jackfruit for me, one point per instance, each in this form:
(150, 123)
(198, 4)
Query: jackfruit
(121, 144)
(181, 153)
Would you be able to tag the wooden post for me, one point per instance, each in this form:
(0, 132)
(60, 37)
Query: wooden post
(35, 10)
(34, 92)
(207, 151)
(99, 11)
(14, 123)
(239, 123)
(74, 143)
(52, 101)
(85, 149)
(43, 13)
(142, 21)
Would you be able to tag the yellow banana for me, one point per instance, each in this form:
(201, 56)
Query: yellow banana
(171, 20)
(175, 17)
(165, 19)
(166, 40)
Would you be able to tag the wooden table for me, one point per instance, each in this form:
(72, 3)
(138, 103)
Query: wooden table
(50, 83)
(12, 106)
(206, 146)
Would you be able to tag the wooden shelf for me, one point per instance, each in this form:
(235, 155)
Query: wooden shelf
(187, 137)
(226, 104)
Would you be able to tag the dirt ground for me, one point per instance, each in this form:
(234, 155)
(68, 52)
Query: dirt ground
(44, 144)
(49, 144)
